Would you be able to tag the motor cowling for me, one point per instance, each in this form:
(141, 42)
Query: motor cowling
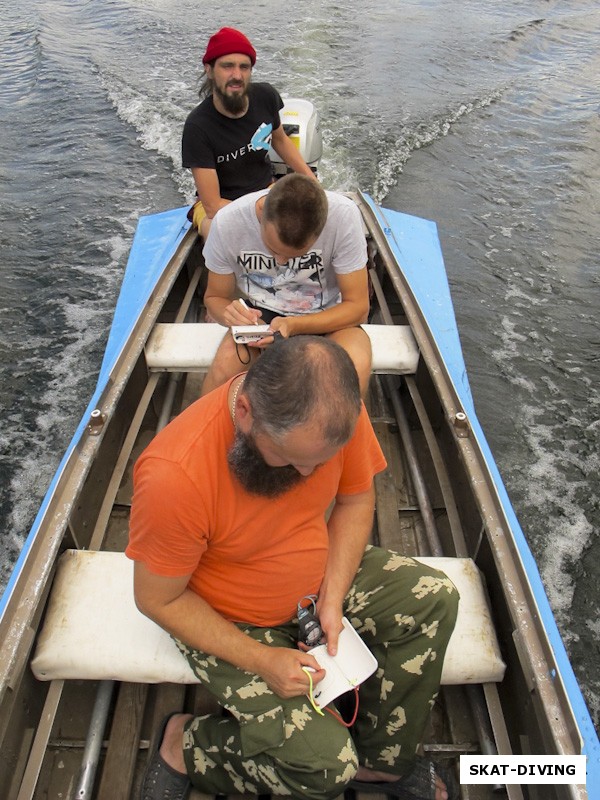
(300, 120)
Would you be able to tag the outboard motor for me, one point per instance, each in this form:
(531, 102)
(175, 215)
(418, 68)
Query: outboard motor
(300, 121)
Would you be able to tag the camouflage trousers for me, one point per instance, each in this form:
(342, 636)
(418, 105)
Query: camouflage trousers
(405, 612)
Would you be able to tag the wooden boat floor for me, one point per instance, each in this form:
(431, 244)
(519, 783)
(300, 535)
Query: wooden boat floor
(138, 709)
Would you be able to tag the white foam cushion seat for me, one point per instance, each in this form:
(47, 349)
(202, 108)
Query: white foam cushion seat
(191, 347)
(93, 629)
(473, 654)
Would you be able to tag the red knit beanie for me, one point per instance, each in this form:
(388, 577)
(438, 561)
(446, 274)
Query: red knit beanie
(226, 41)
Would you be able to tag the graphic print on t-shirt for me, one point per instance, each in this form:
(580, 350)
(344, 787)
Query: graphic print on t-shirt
(262, 137)
(295, 287)
(261, 140)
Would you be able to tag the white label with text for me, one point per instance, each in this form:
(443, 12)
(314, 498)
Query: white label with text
(522, 769)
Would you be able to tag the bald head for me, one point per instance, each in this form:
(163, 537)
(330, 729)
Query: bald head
(301, 380)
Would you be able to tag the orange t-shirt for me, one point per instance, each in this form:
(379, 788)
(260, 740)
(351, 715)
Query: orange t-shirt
(251, 558)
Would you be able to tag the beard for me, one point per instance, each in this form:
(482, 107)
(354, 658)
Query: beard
(255, 475)
(233, 103)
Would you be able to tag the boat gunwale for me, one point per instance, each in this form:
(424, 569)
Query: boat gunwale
(38, 557)
(543, 664)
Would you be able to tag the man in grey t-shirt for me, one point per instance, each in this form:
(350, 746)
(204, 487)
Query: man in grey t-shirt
(296, 256)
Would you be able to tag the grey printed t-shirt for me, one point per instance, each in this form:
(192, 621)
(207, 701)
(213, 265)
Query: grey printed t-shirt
(303, 285)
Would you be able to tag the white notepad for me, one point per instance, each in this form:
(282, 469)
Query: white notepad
(352, 665)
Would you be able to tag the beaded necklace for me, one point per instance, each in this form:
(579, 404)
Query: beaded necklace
(235, 394)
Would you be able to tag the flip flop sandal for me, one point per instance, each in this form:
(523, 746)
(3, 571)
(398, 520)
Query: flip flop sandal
(419, 784)
(162, 782)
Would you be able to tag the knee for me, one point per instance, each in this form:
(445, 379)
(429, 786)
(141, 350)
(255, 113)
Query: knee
(363, 370)
(450, 601)
(333, 780)
(331, 762)
(358, 346)
(228, 361)
(341, 770)
(362, 358)
(442, 608)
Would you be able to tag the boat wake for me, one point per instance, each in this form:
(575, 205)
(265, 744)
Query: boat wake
(421, 135)
(21, 58)
(157, 121)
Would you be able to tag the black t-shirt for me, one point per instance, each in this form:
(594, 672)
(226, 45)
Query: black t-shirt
(237, 148)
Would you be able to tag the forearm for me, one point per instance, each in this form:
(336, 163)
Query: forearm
(298, 164)
(290, 154)
(193, 621)
(219, 300)
(216, 306)
(208, 190)
(212, 206)
(349, 530)
(189, 618)
(343, 315)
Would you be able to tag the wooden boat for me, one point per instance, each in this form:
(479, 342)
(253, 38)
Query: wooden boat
(77, 722)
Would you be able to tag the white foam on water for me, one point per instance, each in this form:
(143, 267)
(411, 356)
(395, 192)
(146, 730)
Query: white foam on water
(157, 120)
(548, 480)
(415, 135)
(64, 397)
(569, 530)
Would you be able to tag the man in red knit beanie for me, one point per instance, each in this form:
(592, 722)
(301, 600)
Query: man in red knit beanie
(226, 41)
(226, 138)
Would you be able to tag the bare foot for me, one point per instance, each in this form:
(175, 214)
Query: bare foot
(171, 748)
(368, 775)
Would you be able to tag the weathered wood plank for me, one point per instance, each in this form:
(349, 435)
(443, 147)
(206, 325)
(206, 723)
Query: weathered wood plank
(386, 497)
(121, 757)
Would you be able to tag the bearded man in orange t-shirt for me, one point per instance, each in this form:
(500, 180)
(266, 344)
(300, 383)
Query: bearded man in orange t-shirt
(259, 495)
